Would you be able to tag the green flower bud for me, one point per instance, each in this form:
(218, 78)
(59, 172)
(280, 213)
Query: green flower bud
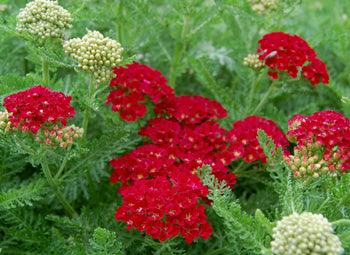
(305, 234)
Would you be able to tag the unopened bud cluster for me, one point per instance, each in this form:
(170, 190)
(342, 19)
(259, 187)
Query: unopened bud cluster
(5, 124)
(95, 54)
(305, 234)
(60, 137)
(44, 19)
(252, 61)
(308, 160)
(263, 6)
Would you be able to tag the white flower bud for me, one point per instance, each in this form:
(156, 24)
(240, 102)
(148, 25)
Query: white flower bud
(263, 6)
(253, 61)
(5, 124)
(95, 54)
(44, 19)
(306, 234)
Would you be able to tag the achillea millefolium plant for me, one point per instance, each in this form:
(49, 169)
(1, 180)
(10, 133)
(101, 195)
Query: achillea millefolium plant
(174, 127)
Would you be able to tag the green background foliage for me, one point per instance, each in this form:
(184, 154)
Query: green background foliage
(199, 45)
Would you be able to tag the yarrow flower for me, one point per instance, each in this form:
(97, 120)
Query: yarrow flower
(282, 52)
(132, 85)
(329, 129)
(37, 106)
(95, 54)
(252, 61)
(243, 138)
(166, 207)
(44, 19)
(308, 161)
(5, 123)
(263, 6)
(306, 234)
(191, 109)
(62, 137)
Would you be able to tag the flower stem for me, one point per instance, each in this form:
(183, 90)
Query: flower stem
(56, 189)
(178, 52)
(120, 23)
(87, 111)
(46, 72)
(253, 90)
(265, 98)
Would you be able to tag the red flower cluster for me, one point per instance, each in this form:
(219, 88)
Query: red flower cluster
(327, 128)
(290, 53)
(36, 106)
(191, 109)
(160, 188)
(165, 207)
(244, 142)
(133, 83)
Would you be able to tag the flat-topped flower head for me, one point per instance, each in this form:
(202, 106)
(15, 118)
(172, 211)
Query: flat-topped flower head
(309, 161)
(5, 123)
(282, 52)
(95, 54)
(132, 85)
(252, 61)
(44, 19)
(263, 6)
(305, 234)
(191, 110)
(62, 137)
(164, 207)
(37, 106)
(329, 129)
(244, 141)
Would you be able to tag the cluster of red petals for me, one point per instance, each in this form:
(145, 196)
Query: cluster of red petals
(165, 207)
(37, 106)
(193, 145)
(283, 52)
(244, 142)
(328, 128)
(191, 110)
(133, 84)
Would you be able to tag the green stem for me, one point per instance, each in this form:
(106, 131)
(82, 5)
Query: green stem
(63, 165)
(46, 72)
(253, 90)
(265, 98)
(56, 189)
(180, 47)
(217, 251)
(120, 22)
(87, 111)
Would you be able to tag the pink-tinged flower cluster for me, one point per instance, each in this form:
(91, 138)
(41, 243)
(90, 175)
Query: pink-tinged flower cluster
(191, 109)
(37, 106)
(327, 128)
(244, 141)
(283, 52)
(133, 84)
(165, 207)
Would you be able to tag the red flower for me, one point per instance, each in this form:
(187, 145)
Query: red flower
(133, 83)
(244, 142)
(166, 207)
(37, 106)
(316, 72)
(191, 110)
(290, 53)
(328, 128)
(142, 163)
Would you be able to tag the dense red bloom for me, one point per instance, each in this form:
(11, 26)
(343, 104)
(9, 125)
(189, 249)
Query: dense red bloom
(244, 142)
(316, 72)
(166, 207)
(142, 163)
(36, 106)
(191, 110)
(327, 128)
(290, 53)
(133, 83)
